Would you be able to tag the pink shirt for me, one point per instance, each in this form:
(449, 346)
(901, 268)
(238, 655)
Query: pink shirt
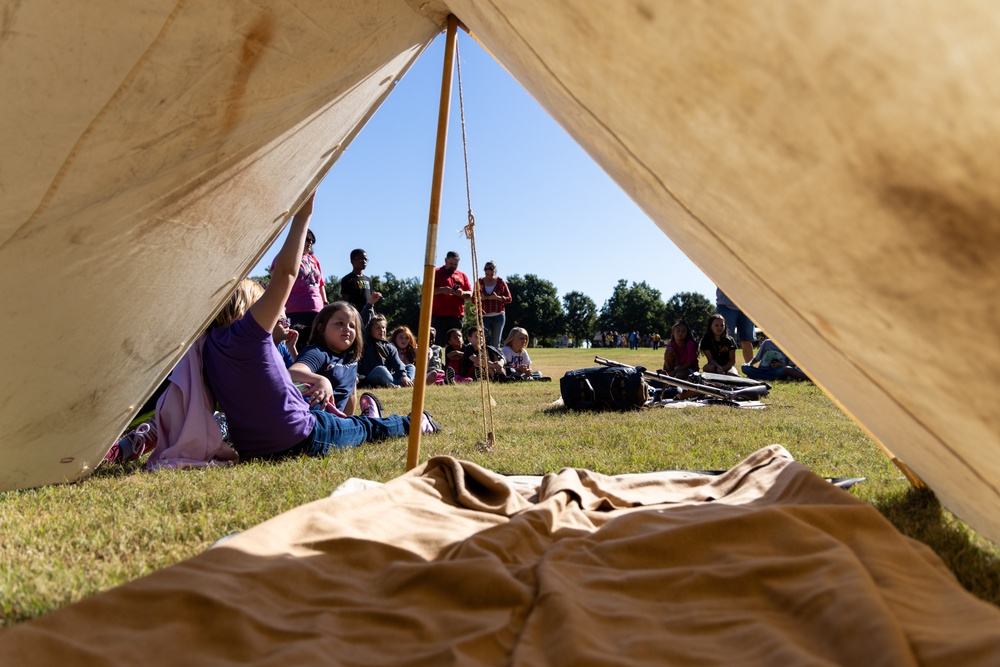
(306, 296)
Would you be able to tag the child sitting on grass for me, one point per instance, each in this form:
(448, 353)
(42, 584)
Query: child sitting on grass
(380, 363)
(773, 364)
(406, 347)
(515, 355)
(333, 352)
(453, 357)
(266, 415)
(719, 347)
(472, 359)
(680, 358)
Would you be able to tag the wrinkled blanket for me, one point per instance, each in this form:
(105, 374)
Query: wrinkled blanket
(766, 564)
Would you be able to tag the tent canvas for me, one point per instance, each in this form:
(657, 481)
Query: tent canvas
(176, 136)
(452, 564)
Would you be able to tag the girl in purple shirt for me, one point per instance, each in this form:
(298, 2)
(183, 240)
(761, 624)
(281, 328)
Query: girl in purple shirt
(266, 414)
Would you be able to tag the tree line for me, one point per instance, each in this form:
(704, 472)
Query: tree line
(538, 308)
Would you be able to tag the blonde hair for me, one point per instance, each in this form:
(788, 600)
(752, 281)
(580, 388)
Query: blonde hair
(516, 331)
(246, 294)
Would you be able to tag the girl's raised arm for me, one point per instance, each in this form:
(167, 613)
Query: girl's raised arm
(268, 308)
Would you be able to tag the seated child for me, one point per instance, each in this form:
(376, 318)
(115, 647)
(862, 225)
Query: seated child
(773, 364)
(515, 354)
(266, 414)
(380, 363)
(285, 337)
(471, 361)
(332, 353)
(680, 357)
(406, 346)
(453, 357)
(719, 347)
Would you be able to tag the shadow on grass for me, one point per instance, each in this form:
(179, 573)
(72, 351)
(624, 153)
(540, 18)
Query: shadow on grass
(974, 560)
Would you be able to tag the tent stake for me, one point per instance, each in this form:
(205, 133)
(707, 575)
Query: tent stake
(427, 294)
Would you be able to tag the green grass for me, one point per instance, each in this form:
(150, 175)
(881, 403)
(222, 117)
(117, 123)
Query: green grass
(63, 543)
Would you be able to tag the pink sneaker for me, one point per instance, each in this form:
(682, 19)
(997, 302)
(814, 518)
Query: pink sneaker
(370, 406)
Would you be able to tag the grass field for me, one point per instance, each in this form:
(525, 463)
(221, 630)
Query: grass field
(63, 543)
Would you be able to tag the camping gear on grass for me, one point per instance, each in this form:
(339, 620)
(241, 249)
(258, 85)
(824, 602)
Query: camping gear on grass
(603, 388)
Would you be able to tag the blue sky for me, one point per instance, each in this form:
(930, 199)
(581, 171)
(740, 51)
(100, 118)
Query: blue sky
(541, 204)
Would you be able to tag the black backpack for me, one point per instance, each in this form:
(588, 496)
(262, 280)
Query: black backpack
(604, 388)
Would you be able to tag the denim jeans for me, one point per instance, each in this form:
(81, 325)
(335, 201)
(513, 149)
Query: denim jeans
(381, 377)
(494, 324)
(332, 432)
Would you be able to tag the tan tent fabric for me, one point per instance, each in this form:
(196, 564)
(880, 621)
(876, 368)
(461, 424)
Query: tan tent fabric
(828, 163)
(765, 565)
(151, 153)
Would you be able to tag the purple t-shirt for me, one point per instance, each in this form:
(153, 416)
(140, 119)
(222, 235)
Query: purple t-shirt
(265, 413)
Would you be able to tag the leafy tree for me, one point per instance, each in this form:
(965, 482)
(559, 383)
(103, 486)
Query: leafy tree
(400, 301)
(638, 307)
(536, 307)
(691, 307)
(581, 316)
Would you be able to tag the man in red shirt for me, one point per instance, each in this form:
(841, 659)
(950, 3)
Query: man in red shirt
(451, 290)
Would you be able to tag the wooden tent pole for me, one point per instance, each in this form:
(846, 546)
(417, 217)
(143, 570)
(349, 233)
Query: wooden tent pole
(427, 294)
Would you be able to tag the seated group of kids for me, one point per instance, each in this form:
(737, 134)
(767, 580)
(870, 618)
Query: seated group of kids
(680, 357)
(463, 362)
(277, 403)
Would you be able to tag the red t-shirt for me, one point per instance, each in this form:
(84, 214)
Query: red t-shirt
(448, 305)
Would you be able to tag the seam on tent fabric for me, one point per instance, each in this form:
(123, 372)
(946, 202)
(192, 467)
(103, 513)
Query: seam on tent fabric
(722, 242)
(126, 83)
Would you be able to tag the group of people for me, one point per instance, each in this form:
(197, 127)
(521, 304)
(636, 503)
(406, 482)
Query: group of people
(680, 356)
(284, 392)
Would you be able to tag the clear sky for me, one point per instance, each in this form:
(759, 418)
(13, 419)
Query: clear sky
(542, 205)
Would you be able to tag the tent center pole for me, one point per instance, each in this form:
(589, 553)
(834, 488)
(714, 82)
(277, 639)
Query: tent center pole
(427, 293)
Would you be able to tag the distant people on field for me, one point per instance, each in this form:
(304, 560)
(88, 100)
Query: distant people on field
(739, 325)
(680, 356)
(770, 363)
(308, 295)
(451, 290)
(495, 295)
(655, 341)
(356, 287)
(719, 347)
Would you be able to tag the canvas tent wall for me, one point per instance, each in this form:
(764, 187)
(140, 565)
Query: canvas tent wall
(829, 164)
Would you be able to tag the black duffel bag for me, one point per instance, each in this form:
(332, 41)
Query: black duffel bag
(604, 388)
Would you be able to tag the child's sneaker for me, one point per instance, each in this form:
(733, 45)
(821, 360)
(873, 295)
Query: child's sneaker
(132, 445)
(428, 425)
(370, 406)
(449, 375)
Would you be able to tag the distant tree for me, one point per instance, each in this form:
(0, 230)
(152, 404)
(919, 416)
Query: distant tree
(581, 316)
(638, 307)
(692, 307)
(400, 301)
(536, 307)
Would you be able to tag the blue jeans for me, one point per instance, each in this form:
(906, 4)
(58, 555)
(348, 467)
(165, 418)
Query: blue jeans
(333, 432)
(381, 377)
(494, 324)
(738, 324)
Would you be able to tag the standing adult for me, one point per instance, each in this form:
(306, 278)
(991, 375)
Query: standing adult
(738, 325)
(495, 295)
(451, 290)
(308, 295)
(356, 287)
